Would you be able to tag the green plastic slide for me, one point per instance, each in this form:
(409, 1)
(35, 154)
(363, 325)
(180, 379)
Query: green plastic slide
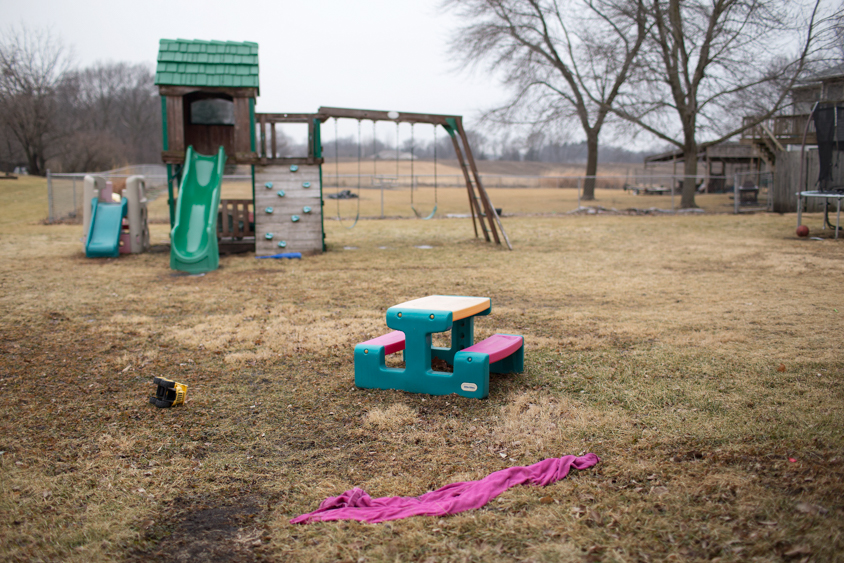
(193, 240)
(104, 232)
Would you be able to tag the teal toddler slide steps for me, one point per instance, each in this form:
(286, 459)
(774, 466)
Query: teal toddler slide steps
(193, 240)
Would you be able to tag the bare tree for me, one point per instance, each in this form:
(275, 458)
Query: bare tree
(709, 63)
(112, 114)
(31, 67)
(564, 59)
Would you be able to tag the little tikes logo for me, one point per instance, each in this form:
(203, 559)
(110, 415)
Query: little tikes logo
(468, 387)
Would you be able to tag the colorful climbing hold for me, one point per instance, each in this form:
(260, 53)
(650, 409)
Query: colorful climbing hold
(306, 184)
(268, 236)
(268, 185)
(280, 193)
(294, 218)
(269, 209)
(306, 209)
(282, 244)
(293, 168)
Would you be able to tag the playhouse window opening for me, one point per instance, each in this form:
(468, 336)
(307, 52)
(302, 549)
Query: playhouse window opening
(212, 111)
(291, 139)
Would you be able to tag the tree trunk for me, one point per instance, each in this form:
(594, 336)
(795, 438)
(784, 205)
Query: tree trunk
(687, 200)
(33, 164)
(591, 167)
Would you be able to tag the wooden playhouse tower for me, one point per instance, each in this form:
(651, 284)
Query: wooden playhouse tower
(208, 91)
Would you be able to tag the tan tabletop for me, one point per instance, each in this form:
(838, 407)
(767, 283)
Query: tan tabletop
(459, 306)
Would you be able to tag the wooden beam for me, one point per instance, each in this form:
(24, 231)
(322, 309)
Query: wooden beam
(473, 202)
(262, 151)
(180, 91)
(175, 123)
(173, 157)
(378, 115)
(253, 158)
(178, 157)
(242, 126)
(287, 117)
(484, 196)
(311, 151)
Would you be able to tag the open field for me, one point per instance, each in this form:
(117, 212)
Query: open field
(513, 201)
(699, 356)
(519, 188)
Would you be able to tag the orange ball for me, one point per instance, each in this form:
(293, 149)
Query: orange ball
(802, 231)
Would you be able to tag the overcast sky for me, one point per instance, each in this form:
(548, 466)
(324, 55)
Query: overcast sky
(371, 54)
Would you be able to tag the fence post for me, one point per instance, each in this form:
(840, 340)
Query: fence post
(579, 181)
(673, 183)
(74, 196)
(736, 194)
(799, 208)
(50, 210)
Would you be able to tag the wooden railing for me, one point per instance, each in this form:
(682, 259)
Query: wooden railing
(234, 220)
(787, 129)
(267, 152)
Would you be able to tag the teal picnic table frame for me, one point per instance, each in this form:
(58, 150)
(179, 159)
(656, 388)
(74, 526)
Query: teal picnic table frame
(419, 320)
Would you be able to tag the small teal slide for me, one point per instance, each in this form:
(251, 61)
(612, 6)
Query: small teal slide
(104, 231)
(193, 241)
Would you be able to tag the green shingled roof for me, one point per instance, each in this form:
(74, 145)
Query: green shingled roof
(228, 64)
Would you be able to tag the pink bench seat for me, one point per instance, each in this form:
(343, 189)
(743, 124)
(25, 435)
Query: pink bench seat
(392, 342)
(497, 346)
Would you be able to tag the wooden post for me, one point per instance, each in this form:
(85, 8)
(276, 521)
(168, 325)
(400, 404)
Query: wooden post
(484, 196)
(473, 203)
(263, 148)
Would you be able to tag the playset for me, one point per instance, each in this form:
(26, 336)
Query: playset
(414, 322)
(208, 91)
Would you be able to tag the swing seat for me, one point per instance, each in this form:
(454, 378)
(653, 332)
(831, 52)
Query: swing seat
(419, 215)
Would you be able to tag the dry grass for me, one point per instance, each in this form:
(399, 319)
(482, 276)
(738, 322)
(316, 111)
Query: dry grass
(696, 355)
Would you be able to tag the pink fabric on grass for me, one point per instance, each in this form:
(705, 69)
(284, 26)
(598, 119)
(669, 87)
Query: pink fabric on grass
(451, 499)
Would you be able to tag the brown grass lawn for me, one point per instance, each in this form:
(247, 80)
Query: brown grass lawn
(699, 356)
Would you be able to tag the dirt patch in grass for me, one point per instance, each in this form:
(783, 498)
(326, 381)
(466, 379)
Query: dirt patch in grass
(200, 529)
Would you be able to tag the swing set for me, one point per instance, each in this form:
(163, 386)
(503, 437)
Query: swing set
(482, 211)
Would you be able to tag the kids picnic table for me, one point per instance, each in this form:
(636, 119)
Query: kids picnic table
(414, 322)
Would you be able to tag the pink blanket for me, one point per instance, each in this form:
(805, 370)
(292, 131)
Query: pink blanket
(451, 499)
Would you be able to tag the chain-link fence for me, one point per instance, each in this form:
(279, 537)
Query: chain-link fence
(753, 191)
(405, 195)
(402, 195)
(64, 191)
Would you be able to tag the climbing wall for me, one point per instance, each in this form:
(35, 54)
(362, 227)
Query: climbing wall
(288, 210)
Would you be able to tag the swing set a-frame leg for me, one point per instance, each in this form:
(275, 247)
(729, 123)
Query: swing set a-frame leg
(477, 215)
(491, 214)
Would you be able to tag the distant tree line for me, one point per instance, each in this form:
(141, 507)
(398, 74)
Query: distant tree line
(53, 115)
(532, 148)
